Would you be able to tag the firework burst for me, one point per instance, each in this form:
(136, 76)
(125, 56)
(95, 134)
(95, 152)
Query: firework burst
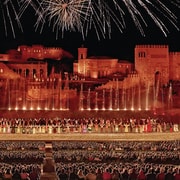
(101, 15)
(67, 15)
(74, 15)
(9, 16)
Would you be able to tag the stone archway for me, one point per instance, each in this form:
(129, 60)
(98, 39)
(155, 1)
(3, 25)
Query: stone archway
(157, 79)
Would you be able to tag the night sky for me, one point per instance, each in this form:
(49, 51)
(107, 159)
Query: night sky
(120, 45)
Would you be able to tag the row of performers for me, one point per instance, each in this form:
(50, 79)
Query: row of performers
(90, 127)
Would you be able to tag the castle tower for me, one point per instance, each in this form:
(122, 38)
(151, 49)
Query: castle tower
(152, 62)
(82, 53)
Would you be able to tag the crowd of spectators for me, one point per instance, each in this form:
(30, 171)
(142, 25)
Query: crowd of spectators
(18, 171)
(137, 152)
(112, 171)
(91, 160)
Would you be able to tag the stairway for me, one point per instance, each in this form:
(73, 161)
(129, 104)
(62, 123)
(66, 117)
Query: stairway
(48, 171)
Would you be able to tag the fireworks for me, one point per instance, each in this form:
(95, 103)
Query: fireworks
(101, 15)
(157, 10)
(73, 15)
(67, 15)
(9, 16)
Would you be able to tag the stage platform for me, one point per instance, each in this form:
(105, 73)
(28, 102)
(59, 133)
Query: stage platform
(92, 137)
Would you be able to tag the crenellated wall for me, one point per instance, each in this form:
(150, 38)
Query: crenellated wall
(149, 61)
